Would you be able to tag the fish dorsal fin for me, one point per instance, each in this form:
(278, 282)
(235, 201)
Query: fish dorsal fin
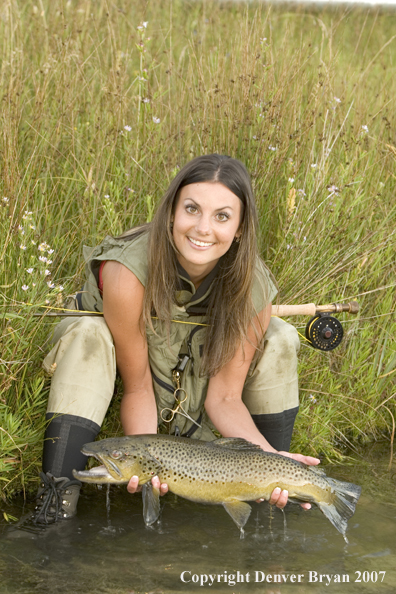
(151, 504)
(236, 443)
(239, 512)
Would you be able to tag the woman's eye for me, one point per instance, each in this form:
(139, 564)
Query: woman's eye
(222, 216)
(191, 209)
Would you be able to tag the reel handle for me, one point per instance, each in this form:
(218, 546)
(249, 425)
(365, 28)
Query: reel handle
(310, 309)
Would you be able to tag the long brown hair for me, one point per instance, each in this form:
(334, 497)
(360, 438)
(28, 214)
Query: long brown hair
(230, 309)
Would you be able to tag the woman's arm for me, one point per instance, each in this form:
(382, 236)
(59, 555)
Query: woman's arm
(122, 308)
(123, 296)
(226, 409)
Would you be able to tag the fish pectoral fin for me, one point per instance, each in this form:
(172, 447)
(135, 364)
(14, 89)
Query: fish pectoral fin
(239, 511)
(236, 443)
(151, 503)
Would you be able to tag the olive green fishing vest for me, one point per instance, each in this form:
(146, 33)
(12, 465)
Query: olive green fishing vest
(187, 331)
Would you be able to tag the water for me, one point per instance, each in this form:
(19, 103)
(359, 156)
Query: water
(112, 552)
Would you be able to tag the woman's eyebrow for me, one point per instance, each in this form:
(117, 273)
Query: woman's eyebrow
(217, 209)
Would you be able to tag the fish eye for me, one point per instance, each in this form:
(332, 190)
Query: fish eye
(116, 454)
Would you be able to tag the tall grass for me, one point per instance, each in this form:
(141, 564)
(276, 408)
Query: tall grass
(100, 106)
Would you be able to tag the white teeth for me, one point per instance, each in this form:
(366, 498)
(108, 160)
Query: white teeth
(199, 243)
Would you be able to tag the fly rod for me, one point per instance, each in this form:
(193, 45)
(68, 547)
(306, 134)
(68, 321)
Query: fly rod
(281, 311)
(323, 331)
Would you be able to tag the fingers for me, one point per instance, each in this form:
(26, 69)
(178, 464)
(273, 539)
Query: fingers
(310, 460)
(133, 485)
(163, 487)
(279, 498)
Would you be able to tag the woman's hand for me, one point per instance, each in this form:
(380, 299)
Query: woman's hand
(133, 485)
(279, 497)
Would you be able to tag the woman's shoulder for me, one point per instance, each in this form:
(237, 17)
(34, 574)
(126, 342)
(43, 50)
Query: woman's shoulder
(129, 250)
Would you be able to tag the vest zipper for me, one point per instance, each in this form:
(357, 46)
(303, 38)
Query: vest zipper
(163, 384)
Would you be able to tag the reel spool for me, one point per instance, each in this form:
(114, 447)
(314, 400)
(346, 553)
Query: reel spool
(324, 332)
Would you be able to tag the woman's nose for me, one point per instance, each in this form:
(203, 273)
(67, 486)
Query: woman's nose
(203, 225)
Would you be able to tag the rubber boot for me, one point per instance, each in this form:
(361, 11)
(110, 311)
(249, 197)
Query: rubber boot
(58, 494)
(277, 428)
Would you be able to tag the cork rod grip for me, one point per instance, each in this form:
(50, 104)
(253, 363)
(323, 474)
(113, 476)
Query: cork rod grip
(310, 309)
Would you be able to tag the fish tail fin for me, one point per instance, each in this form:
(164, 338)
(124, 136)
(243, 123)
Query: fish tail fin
(343, 506)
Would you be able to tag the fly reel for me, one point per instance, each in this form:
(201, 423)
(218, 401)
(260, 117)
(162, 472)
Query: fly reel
(324, 332)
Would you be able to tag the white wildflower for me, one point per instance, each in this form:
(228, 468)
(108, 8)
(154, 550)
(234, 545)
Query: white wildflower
(312, 399)
(29, 270)
(127, 128)
(6, 200)
(43, 246)
(156, 120)
(272, 148)
(313, 165)
(365, 128)
(51, 285)
(42, 258)
(291, 179)
(337, 100)
(47, 272)
(301, 192)
(49, 261)
(25, 287)
(50, 251)
(146, 100)
(145, 23)
(23, 247)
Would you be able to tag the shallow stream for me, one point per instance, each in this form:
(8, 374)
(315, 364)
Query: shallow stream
(112, 552)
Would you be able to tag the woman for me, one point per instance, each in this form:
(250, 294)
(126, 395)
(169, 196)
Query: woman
(187, 323)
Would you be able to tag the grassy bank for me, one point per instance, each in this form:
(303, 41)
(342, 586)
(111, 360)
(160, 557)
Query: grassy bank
(101, 103)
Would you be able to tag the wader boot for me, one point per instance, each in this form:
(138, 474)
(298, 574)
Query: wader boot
(58, 493)
(277, 428)
(56, 499)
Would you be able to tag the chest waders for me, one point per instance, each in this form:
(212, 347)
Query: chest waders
(83, 367)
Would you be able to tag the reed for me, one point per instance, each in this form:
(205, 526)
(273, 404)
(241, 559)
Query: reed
(100, 106)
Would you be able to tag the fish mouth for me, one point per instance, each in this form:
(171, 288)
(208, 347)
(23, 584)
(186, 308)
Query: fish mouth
(107, 472)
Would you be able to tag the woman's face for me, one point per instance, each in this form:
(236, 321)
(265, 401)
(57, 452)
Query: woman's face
(206, 221)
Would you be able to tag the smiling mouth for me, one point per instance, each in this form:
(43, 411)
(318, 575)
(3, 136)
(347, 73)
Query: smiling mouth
(199, 243)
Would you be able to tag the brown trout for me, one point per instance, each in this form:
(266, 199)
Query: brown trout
(227, 471)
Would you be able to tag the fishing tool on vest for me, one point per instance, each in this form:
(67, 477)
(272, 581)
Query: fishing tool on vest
(185, 356)
(323, 331)
(168, 414)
